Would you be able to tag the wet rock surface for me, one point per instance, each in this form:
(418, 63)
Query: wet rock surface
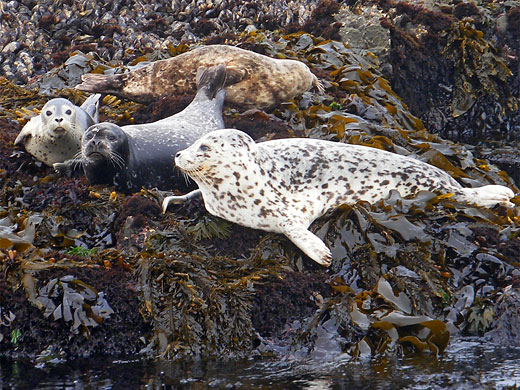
(404, 273)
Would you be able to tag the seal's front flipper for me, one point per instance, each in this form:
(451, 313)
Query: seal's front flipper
(22, 138)
(310, 244)
(178, 199)
(318, 84)
(70, 168)
(235, 75)
(28, 131)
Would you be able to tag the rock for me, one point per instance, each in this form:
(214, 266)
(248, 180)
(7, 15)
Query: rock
(363, 30)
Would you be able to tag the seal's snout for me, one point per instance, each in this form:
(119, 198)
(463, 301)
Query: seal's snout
(59, 120)
(96, 144)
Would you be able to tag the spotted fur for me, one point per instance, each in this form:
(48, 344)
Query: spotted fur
(284, 185)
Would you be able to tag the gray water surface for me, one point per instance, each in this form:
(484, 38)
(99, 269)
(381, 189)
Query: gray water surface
(467, 364)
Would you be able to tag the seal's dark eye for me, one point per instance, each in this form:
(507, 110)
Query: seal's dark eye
(48, 113)
(68, 112)
(204, 148)
(111, 137)
(89, 135)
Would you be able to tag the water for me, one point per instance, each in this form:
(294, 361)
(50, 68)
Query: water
(467, 364)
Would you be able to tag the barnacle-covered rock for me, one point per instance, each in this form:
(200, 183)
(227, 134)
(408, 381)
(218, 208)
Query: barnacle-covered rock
(122, 30)
(362, 29)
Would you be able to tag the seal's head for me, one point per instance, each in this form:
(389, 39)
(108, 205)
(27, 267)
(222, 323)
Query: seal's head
(214, 153)
(105, 143)
(58, 117)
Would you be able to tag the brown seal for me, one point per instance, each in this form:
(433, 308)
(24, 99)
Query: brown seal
(253, 80)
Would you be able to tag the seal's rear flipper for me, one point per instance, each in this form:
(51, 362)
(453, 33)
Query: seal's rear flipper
(91, 106)
(318, 84)
(487, 196)
(210, 81)
(94, 82)
(310, 244)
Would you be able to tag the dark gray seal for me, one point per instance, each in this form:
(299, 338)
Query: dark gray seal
(55, 135)
(253, 80)
(283, 185)
(135, 156)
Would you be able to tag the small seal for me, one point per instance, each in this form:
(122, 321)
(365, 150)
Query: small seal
(135, 156)
(55, 135)
(283, 185)
(253, 80)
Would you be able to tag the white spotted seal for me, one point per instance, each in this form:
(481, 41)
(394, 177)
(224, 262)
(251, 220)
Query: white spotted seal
(55, 135)
(135, 156)
(283, 185)
(253, 80)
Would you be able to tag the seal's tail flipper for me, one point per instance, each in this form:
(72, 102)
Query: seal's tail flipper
(211, 80)
(95, 82)
(178, 199)
(91, 106)
(487, 196)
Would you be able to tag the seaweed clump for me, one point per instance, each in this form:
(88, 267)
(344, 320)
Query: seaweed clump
(479, 68)
(44, 336)
(463, 50)
(193, 312)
